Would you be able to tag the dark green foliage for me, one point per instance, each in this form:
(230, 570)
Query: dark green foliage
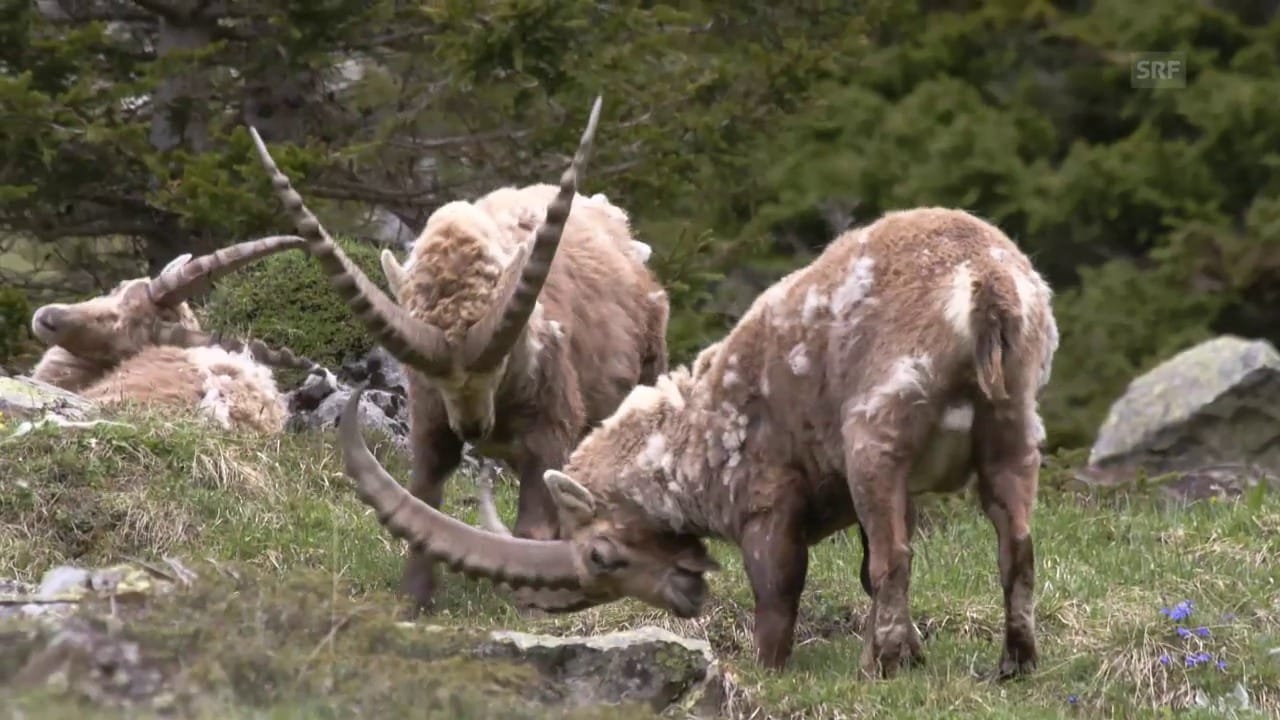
(15, 314)
(286, 300)
(738, 139)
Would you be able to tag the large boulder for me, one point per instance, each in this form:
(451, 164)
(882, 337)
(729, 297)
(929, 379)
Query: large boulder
(1211, 410)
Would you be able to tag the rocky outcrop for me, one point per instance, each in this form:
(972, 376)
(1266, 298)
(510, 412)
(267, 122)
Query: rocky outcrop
(24, 398)
(384, 406)
(1211, 412)
(318, 403)
(172, 639)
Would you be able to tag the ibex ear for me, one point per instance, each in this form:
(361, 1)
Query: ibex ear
(393, 271)
(576, 504)
(176, 263)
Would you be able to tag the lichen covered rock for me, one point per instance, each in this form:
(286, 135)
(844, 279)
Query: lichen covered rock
(24, 398)
(1212, 404)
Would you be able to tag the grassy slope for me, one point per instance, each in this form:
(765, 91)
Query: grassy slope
(1106, 566)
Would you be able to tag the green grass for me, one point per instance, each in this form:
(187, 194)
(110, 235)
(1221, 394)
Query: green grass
(1106, 565)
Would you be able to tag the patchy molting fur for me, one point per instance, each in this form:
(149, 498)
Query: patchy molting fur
(229, 388)
(597, 330)
(877, 371)
(106, 349)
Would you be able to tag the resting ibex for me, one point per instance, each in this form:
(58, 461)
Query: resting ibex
(504, 350)
(903, 360)
(141, 343)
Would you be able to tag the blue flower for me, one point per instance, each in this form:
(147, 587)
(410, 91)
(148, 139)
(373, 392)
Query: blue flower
(1196, 658)
(1178, 612)
(1183, 632)
(1073, 698)
(1222, 664)
(1164, 659)
(1202, 631)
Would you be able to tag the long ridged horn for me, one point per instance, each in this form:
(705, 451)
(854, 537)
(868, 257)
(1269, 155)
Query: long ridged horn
(487, 508)
(491, 338)
(411, 341)
(167, 333)
(464, 549)
(545, 599)
(177, 283)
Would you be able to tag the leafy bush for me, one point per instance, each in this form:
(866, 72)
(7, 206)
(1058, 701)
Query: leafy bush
(286, 300)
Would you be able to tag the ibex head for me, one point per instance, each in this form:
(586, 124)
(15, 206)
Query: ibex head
(610, 552)
(110, 328)
(464, 298)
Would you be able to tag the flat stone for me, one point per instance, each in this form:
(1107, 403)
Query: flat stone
(25, 398)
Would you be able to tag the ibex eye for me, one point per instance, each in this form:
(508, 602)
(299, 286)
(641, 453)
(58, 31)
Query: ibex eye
(605, 561)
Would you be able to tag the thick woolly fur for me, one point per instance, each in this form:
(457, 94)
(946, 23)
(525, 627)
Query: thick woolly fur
(102, 348)
(907, 358)
(229, 388)
(598, 329)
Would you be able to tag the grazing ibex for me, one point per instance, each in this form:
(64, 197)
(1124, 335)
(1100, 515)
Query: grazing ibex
(504, 350)
(905, 359)
(141, 343)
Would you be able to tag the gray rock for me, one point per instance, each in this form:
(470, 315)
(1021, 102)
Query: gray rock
(384, 406)
(318, 404)
(647, 665)
(1215, 404)
(25, 398)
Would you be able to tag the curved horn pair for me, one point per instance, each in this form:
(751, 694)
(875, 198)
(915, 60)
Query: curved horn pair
(491, 338)
(412, 341)
(179, 281)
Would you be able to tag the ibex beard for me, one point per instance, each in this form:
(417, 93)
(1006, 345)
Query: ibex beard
(504, 349)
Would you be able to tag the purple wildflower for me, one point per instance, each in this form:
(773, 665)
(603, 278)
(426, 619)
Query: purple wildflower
(1202, 631)
(1178, 612)
(1197, 658)
(1073, 698)
(1183, 632)
(1222, 664)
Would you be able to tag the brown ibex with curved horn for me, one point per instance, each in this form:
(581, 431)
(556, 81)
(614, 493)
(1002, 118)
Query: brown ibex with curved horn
(907, 358)
(504, 349)
(140, 343)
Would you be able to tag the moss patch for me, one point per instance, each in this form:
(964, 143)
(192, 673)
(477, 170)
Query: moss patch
(286, 300)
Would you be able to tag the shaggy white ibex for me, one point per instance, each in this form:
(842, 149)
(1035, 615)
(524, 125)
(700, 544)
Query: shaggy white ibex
(505, 350)
(903, 360)
(141, 343)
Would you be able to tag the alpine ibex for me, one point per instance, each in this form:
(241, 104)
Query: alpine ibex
(505, 351)
(140, 343)
(907, 358)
